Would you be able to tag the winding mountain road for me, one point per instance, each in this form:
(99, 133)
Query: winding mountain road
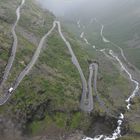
(102, 104)
(88, 99)
(33, 60)
(14, 47)
(86, 103)
(85, 107)
(95, 66)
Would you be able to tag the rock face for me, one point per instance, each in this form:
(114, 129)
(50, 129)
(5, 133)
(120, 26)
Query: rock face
(71, 136)
(75, 136)
(8, 130)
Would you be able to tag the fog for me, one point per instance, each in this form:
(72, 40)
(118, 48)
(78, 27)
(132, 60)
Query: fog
(62, 7)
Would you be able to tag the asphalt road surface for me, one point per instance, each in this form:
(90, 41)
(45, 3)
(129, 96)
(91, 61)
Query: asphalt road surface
(35, 58)
(14, 47)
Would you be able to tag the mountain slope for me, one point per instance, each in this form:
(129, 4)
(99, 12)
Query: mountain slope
(47, 100)
(121, 28)
(121, 21)
(53, 83)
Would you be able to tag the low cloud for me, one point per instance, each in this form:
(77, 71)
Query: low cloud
(60, 7)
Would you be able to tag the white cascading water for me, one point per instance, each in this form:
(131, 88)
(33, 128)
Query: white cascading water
(117, 133)
(78, 24)
(82, 35)
(103, 38)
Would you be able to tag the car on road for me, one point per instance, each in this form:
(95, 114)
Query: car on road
(10, 89)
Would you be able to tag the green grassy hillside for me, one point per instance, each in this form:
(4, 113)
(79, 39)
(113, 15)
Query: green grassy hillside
(47, 100)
